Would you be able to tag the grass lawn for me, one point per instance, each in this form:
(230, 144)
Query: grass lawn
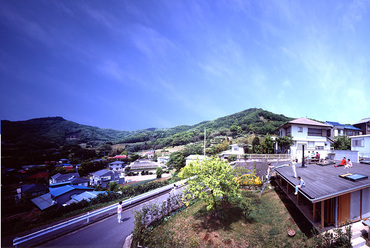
(267, 226)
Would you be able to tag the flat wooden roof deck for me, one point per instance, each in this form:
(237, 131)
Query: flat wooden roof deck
(323, 182)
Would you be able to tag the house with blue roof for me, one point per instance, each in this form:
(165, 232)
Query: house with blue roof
(87, 195)
(339, 129)
(105, 177)
(64, 193)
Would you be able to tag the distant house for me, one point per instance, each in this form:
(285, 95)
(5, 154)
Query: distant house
(308, 135)
(342, 130)
(144, 164)
(74, 178)
(236, 149)
(105, 177)
(117, 166)
(33, 189)
(194, 158)
(163, 159)
(364, 125)
(59, 195)
(361, 143)
(87, 195)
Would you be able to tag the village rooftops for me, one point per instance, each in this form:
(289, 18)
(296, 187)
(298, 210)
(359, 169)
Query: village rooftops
(324, 182)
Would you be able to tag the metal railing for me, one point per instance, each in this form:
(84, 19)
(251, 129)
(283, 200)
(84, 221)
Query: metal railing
(85, 219)
(268, 156)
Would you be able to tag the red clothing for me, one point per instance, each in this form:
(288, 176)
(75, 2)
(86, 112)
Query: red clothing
(344, 162)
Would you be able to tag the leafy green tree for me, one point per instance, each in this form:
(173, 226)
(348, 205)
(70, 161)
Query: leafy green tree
(193, 149)
(256, 145)
(268, 145)
(159, 172)
(177, 160)
(342, 143)
(210, 180)
(284, 142)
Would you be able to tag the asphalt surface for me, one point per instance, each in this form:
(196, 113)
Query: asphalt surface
(107, 233)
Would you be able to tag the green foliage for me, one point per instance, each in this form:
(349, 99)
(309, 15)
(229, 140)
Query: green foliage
(342, 143)
(177, 160)
(87, 167)
(211, 180)
(337, 238)
(284, 142)
(193, 149)
(232, 158)
(268, 145)
(159, 172)
(113, 186)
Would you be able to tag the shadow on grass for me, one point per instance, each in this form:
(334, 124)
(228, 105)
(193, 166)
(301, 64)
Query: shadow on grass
(304, 225)
(226, 216)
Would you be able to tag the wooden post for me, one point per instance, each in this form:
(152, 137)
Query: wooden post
(361, 203)
(322, 214)
(314, 211)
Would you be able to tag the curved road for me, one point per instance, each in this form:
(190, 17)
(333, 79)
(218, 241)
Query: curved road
(105, 233)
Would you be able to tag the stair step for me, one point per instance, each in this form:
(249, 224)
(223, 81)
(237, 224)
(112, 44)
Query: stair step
(358, 242)
(356, 234)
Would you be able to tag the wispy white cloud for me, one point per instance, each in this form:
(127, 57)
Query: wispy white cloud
(355, 13)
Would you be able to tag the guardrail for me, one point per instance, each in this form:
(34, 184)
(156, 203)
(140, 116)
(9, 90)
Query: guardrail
(85, 219)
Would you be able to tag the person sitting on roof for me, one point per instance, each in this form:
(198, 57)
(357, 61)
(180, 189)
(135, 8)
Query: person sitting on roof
(300, 185)
(348, 165)
(343, 163)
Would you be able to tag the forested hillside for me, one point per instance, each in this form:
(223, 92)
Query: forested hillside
(21, 139)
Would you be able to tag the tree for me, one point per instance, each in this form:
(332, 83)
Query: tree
(255, 145)
(268, 145)
(211, 180)
(284, 142)
(159, 172)
(177, 160)
(342, 143)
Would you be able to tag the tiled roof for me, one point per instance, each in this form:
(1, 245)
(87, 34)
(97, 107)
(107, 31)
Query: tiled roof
(334, 123)
(362, 121)
(65, 189)
(100, 173)
(305, 121)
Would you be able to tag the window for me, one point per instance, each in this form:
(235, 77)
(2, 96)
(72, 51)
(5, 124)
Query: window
(311, 144)
(319, 148)
(314, 132)
(368, 127)
(349, 132)
(300, 129)
(357, 143)
(289, 131)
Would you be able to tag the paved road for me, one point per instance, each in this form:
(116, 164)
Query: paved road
(105, 233)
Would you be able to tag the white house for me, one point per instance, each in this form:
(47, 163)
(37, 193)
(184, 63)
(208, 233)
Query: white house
(163, 159)
(104, 177)
(117, 166)
(361, 143)
(309, 135)
(235, 150)
(194, 158)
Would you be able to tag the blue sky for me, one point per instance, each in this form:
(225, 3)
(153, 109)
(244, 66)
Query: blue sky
(137, 64)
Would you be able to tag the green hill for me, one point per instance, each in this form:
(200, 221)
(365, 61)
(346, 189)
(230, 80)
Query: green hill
(47, 135)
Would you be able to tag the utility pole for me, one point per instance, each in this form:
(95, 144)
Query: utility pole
(205, 134)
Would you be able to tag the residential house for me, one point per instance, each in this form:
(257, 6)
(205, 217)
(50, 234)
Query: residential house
(144, 164)
(117, 166)
(308, 135)
(59, 195)
(331, 196)
(33, 189)
(338, 129)
(361, 143)
(364, 125)
(194, 158)
(105, 177)
(87, 195)
(73, 178)
(236, 149)
(163, 159)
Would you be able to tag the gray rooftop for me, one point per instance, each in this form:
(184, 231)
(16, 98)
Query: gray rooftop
(323, 182)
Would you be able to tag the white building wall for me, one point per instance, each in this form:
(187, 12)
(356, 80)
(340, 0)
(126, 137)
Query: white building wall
(364, 150)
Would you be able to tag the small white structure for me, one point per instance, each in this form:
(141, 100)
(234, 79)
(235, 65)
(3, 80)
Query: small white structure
(361, 143)
(117, 166)
(235, 150)
(163, 159)
(194, 158)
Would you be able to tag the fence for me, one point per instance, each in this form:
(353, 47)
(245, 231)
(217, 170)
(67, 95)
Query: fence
(268, 156)
(85, 219)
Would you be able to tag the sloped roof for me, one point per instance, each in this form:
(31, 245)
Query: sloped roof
(87, 195)
(116, 163)
(352, 128)
(100, 173)
(65, 189)
(362, 121)
(334, 123)
(43, 201)
(305, 121)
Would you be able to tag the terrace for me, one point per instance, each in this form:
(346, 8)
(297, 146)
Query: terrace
(325, 198)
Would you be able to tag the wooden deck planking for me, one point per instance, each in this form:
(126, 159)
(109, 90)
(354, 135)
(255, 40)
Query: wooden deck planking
(323, 181)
